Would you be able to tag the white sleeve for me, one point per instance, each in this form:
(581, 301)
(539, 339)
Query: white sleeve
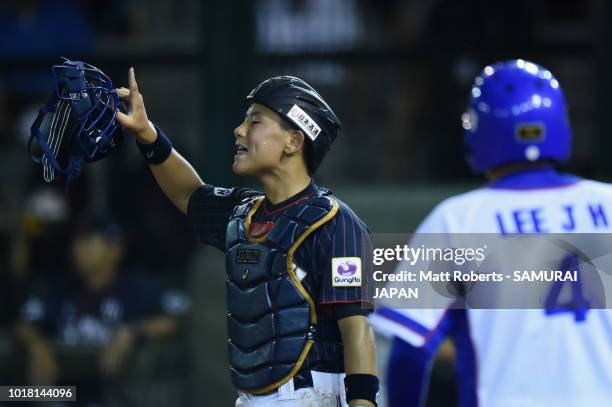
(418, 327)
(435, 222)
(423, 325)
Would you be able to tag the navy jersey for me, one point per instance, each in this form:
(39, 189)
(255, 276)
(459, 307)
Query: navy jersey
(320, 256)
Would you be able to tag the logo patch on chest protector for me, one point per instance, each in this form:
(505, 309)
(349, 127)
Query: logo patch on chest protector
(247, 256)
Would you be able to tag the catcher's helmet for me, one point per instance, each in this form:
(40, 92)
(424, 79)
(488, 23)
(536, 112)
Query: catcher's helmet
(82, 126)
(298, 103)
(516, 113)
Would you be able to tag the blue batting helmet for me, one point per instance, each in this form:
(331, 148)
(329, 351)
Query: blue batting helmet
(81, 127)
(517, 112)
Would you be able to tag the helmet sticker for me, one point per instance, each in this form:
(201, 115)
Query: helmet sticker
(533, 132)
(304, 122)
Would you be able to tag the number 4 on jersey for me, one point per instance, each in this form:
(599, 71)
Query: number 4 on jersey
(578, 304)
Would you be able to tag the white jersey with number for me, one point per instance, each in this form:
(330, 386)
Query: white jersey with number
(523, 358)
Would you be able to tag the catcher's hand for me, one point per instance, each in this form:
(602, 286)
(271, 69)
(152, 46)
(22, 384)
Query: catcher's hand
(136, 120)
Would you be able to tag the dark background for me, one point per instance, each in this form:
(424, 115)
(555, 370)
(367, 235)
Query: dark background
(396, 72)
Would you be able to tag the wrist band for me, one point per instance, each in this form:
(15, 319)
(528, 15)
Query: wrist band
(158, 151)
(361, 386)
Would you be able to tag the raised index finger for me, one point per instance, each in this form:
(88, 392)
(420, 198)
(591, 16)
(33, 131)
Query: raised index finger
(132, 81)
(134, 94)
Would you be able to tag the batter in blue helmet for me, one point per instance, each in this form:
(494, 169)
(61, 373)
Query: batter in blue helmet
(516, 131)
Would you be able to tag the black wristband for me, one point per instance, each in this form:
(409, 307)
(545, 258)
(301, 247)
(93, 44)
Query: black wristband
(158, 151)
(361, 386)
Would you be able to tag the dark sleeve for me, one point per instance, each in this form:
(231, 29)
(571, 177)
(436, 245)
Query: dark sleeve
(210, 208)
(347, 248)
(349, 309)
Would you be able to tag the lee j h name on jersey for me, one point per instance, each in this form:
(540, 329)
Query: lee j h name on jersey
(567, 218)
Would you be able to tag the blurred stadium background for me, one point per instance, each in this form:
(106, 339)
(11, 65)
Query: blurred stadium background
(397, 73)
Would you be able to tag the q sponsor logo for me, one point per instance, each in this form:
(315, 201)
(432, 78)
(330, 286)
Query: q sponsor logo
(222, 192)
(346, 272)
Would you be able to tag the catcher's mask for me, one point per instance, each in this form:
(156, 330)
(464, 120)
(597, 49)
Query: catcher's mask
(77, 124)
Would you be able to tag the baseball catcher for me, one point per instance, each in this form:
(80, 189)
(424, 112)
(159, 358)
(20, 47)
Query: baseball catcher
(296, 256)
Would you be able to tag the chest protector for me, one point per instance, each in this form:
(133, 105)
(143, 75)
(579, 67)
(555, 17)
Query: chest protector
(271, 317)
